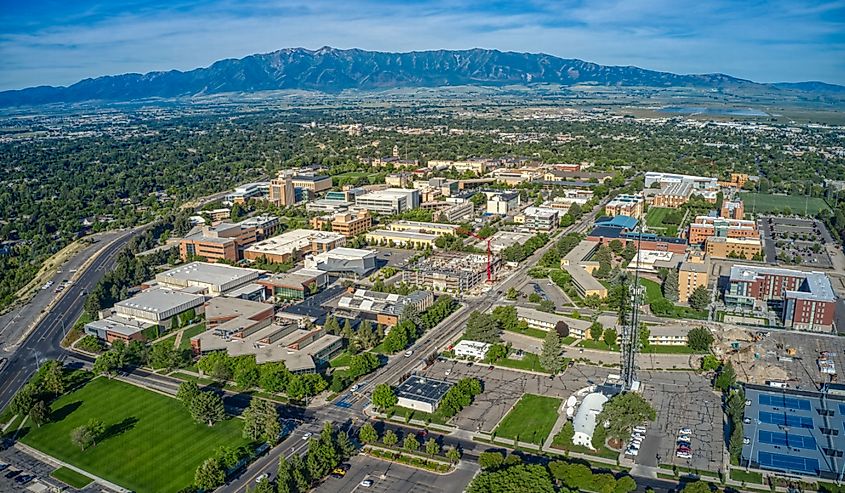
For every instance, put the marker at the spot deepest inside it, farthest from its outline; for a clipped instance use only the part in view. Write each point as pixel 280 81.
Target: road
pixel 43 342
pixel 399 365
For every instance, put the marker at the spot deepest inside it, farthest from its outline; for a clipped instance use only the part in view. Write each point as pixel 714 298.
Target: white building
pixel 698 182
pixel 585 419
pixel 538 219
pixel 215 279
pixel 502 203
pixel 471 349
pixel 389 201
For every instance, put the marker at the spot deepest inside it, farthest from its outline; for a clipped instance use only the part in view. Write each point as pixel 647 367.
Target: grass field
pixel 151 444
pixel 531 420
pixel 529 361
pixel 748 477
pixel 654 219
pixel 600 345
pixel 191 332
pixel 773 203
pixel 342 360
pixel 653 293
pixel 669 349
pixel 532 332
pixel 71 477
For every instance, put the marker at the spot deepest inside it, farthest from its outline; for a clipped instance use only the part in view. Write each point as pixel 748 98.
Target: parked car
pixel 685 431
pixel 367 483
pixel 3 466
pixel 307 435
pixel 24 478
pixel 746 440
pixel 12 473
pixel 408 353
pixel 262 477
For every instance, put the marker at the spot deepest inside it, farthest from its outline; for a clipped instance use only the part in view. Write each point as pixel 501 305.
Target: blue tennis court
pixel 781 419
pixel 788 462
pixel 787 440
pixel 784 401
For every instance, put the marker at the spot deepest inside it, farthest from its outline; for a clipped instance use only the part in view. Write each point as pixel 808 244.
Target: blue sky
pixel 60 42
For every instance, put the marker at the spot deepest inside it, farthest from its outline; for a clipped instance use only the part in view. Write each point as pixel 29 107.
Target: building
pixel 301 348
pixel 538 219
pixel 326 206
pixel 584 422
pixel 412 239
pixel 282 191
pixel 692 273
pixel 502 203
pixel 347 195
pixel 213 279
pixel 224 241
pixel 503 239
pixel 159 305
pixel 313 183
pixel 477 166
pixel 437 229
pixel 389 201
pixel 570 196
pixel 399 180
pixel 384 308
pixel 342 261
pixel 668 335
pixel 421 393
pixel 296 285
pixel 580 268
pixel 651 261
pixel 235 314
pixel 294 245
pixel 471 349
pixel 119 328
pixel 349 224
pixel 673 195
pixel 806 300
pixel 738 180
pixel 625 205
pixel 745 248
pixel 646 241
pixel 452 272
pixel 265 225
pixel 662 179
pixel 456 213
pixel 564 326
pixel 793 431
pixel 732 209
pixel 704 227
pixel 219 214
pixel 248 191
pixel 627 223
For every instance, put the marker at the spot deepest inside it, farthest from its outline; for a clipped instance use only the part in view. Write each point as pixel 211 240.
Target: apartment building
pixel 673 195
pixel 626 205
pixel 692 273
pixel 502 203
pixel 720 247
pixel 349 224
pixel 538 219
pixel 704 227
pixel 806 300
pixel 732 209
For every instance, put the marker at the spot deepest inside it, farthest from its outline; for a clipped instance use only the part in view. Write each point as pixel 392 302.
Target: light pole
pixel 35 355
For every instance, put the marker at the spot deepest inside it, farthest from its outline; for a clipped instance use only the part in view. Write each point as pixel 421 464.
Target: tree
pixel 187 391
pixel 710 362
pixel 482 327
pixel 699 298
pixel 274 376
pixel 332 326
pixel 596 331
pixel 368 434
pixel 284 479
pixel 699 339
pixel 697 487
pixel 107 364
pixel 263 486
pixel 517 478
pixel 411 444
pixel 496 352
pixel 23 401
pixel 86 435
pixel 625 484
pixel 453 454
pixel 39 413
pixel 344 445
pixel 166 356
pixel 616 246
pixel 644 334
pixel 550 357
pixel 547 306
pixel 261 421
pixel 726 377
pixel 390 439
pixel 52 377
pixel 432 447
pixel 609 336
pixel 384 397
pixel 512 293
pixel 366 335
pixel 670 285
pixel 623 412
pixel 209 475
pixel 506 317
pixel 490 460
pixel 207 407
pixel 299 473
pixel 534 298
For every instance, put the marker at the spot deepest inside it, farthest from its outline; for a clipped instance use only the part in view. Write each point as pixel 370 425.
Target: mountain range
pixel 333 70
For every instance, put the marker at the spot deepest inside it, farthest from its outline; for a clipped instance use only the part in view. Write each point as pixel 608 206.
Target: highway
pixel 43 342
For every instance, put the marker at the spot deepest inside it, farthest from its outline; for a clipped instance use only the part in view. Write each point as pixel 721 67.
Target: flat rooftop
pixel 120 325
pixel 160 300
pixel 423 389
pixel 345 253
pixel 294 240
pixel 404 235
pixel 816 284
pixel 207 273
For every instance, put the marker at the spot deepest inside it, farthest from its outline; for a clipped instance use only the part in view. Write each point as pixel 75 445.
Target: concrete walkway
pixel 57 463
pixel 561 421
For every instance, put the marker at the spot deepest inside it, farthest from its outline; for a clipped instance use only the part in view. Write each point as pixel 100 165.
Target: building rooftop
pixel 377 302
pixel 405 235
pixel 694 267
pixel 423 389
pixel 160 300
pixel 620 221
pixel 816 285
pixel 295 279
pixel 120 325
pixel 294 240
pixel 541 212
pixel 314 178
pixel 387 194
pixel 206 273
pixel 233 307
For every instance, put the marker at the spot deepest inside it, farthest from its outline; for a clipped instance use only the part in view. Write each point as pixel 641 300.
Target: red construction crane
pixel 489 252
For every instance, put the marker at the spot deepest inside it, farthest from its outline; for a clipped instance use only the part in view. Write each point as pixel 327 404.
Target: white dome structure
pixel 585 419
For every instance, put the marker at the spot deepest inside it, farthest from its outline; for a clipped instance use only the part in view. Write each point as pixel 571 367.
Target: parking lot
pixel 389 477
pixel 502 388
pixel 682 400
pixel 795 238
pixel 19 461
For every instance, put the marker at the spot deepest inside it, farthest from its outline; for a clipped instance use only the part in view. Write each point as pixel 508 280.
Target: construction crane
pixel 489 252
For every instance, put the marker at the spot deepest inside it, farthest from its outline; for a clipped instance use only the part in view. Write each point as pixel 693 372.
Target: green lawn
pixel 653 293
pixel 152 444
pixel 402 413
pixel 191 332
pixel 774 203
pixel 342 360
pixel 568 340
pixel 531 420
pixel 71 477
pixel 669 349
pixel 654 219
pixel 600 345
pixel 748 477
pixel 529 361
pixel 531 332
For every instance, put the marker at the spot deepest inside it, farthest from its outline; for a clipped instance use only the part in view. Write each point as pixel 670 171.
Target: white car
pixel 639 429
pixel 355 387
pixel 683 455
pixel 632 451
pixel 408 353
pixel 367 483
pixel 262 477
pixel 448 371
pixel 746 440
pixel 684 431
pixel 307 435
pixel 683 438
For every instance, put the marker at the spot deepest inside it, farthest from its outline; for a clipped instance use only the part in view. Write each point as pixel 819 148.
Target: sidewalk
pixel 57 463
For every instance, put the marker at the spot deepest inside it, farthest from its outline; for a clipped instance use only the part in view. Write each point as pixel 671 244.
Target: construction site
pixel 781 358
pixel 453 272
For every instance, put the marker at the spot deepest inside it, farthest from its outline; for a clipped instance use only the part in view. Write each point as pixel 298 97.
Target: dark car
pixel 12 473
pixel 3 466
pixel 24 478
